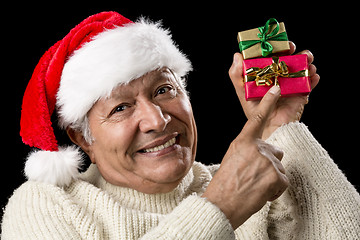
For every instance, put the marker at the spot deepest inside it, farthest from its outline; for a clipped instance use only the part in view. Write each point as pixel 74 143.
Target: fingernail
pixel 275 90
pixel 236 59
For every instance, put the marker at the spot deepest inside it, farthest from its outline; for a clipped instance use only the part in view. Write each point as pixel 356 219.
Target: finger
pixel 288 52
pixel 292 47
pixel 236 75
pixel 312 70
pixel 278 153
pixel 254 127
pixel 314 80
pixel 279 166
pixel 314 77
pixel 272 153
pixel 268 150
pixel 282 185
pixel 309 54
pixel 278 194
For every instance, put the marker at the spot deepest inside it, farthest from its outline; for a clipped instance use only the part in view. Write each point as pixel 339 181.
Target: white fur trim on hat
pixel 57 168
pixel 114 57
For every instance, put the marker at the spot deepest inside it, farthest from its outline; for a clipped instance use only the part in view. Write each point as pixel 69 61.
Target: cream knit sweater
pixel 319 204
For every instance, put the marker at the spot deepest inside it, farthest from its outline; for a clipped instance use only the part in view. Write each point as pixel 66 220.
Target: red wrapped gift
pixel 288 72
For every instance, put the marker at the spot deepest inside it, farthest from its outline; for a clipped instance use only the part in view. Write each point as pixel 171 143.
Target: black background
pixel 207 34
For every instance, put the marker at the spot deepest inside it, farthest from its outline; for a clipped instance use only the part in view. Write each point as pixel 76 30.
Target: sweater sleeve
pixel 319 203
pixel 194 218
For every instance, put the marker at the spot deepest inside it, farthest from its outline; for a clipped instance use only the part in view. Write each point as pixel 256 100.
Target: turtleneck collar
pixel 195 181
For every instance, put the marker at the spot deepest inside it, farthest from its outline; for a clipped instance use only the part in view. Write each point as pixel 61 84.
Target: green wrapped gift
pixel 263 41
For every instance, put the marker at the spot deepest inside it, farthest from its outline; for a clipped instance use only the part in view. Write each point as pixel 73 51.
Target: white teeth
pixel 161 147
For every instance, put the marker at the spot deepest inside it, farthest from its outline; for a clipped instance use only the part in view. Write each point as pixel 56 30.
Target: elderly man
pixel 119 92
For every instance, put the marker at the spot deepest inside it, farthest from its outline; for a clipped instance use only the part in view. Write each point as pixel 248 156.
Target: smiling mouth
pixel 167 144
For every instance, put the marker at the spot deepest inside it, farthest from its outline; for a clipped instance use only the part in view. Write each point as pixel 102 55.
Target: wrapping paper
pixel 290 86
pixel 263 41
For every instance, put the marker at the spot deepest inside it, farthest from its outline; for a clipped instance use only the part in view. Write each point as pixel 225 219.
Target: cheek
pixel 182 111
pixel 111 143
pixel 109 154
pixel 185 114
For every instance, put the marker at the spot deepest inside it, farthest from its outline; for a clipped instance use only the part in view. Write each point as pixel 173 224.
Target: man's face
pixel 144 134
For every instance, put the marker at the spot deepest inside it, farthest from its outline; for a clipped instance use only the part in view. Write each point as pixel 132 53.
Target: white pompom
pixel 57 168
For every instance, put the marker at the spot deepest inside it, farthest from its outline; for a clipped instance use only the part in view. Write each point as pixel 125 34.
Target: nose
pixel 152 118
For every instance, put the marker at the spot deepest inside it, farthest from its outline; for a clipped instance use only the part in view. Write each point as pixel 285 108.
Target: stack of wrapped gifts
pixel 263 68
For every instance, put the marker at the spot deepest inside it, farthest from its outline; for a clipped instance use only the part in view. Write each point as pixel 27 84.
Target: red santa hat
pixel 102 52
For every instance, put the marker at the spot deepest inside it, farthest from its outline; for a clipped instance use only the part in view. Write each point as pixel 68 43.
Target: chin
pixel 165 166
pixel 170 171
pixel 164 176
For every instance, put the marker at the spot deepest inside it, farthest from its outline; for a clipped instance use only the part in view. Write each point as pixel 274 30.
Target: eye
pixel 163 90
pixel 119 108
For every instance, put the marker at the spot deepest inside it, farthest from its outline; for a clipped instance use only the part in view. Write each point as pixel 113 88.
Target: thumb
pixel 236 75
pixel 256 123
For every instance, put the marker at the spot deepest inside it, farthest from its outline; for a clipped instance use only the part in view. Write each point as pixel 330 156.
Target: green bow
pixel 264 37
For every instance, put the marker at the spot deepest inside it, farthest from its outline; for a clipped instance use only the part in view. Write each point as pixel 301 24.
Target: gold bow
pixel 264 76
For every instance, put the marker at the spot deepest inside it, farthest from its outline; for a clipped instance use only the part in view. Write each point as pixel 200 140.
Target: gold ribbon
pixel 269 74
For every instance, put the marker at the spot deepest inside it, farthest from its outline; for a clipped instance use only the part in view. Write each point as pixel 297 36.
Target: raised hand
pixel 287 109
pixel 251 172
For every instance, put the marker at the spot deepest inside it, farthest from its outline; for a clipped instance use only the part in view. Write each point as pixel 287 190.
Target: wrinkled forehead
pixel 145 83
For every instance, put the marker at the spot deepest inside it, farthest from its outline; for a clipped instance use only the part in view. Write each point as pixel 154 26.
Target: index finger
pixel 256 123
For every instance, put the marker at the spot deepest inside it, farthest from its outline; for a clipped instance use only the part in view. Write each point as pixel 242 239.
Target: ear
pixel 78 138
